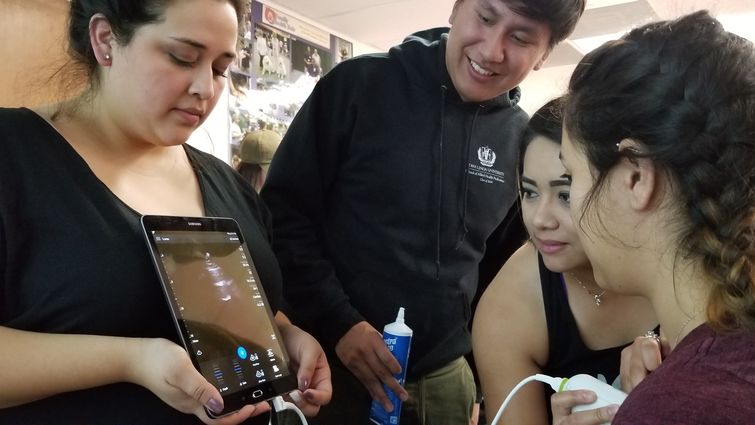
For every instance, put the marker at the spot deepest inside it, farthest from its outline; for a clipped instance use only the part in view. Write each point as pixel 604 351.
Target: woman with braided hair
pixel 660 149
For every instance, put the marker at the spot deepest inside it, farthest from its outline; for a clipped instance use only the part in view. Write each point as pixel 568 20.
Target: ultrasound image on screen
pixel 219 299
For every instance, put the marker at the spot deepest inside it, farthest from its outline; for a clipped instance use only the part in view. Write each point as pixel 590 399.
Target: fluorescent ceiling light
pixel 741 25
pixel 594 4
pixel 587 44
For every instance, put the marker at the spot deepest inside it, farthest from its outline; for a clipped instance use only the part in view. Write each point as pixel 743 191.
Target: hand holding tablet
pixel 219 307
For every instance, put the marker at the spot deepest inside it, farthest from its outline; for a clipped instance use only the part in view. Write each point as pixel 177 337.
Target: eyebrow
pixel 529 181
pixel 561 181
pixel 200 46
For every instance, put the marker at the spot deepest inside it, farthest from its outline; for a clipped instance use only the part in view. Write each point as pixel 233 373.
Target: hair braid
pixel 722 232
pixel 716 177
pixel 685 89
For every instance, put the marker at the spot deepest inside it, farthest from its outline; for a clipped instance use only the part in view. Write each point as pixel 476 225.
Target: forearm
pixel 528 406
pixel 300 195
pixel 38 365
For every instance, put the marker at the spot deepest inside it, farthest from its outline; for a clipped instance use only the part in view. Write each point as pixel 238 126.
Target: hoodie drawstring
pixel 439 192
pixel 465 172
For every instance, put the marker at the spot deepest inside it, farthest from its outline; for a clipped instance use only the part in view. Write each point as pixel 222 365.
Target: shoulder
pixel 514 117
pixel 512 299
pixel 358 81
pixel 14 118
pixel 20 131
pixel 363 65
pixel 719 353
pixel 6 113
pixel 515 290
pixel 685 389
pixel 520 274
pixel 364 72
pixel 519 116
pixel 229 185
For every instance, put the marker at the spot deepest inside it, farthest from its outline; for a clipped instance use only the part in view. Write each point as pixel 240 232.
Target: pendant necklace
pixel 595 296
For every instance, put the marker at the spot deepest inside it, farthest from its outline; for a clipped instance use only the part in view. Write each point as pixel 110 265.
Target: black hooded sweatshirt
pixel 383 193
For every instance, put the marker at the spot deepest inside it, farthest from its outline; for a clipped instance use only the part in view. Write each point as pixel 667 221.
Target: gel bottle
pixel 398 338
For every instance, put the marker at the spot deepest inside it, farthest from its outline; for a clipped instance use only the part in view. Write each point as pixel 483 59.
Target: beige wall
pixel 32 48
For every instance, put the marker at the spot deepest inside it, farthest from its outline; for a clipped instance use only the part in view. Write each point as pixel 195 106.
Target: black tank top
pixel 567 353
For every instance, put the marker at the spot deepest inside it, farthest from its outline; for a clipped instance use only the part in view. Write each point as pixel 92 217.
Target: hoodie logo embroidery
pixel 486 156
pixel 485 171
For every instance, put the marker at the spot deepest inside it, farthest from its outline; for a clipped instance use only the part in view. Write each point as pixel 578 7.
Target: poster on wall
pixel 280 60
pixel 343 49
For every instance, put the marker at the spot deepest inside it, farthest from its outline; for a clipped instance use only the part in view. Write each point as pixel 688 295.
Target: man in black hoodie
pixel 385 190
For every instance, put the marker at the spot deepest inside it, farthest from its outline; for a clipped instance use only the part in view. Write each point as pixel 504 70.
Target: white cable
pixel 554 383
pixel 280 405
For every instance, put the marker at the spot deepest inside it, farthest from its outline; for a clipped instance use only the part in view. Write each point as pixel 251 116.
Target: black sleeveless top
pixel 567 353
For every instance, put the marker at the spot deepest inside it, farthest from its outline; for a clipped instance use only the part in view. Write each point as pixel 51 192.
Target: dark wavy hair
pixel 124 16
pixel 684 90
pixel 547 122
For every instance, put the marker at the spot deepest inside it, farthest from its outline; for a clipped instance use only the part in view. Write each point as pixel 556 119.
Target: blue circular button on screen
pixel 241 351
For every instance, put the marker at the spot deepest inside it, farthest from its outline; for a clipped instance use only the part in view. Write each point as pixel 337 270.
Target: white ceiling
pixel 383 23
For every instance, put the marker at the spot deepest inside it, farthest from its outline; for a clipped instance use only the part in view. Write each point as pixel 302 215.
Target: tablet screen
pixel 220 306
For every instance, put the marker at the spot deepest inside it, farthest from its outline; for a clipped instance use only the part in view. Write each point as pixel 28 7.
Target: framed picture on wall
pixel 343 50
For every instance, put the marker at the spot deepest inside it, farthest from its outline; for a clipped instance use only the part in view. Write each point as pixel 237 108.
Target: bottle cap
pixel 400 315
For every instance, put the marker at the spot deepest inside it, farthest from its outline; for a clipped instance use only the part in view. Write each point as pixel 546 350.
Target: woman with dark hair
pixel 660 148
pixel 543 312
pixel 86 332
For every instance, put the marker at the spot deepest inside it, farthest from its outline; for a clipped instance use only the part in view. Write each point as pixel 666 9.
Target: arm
pixel 296 192
pixel 79 362
pixel 501 244
pixel 30 372
pixel 510 340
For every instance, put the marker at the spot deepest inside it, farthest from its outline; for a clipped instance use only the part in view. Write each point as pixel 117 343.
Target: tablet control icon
pixel 241 352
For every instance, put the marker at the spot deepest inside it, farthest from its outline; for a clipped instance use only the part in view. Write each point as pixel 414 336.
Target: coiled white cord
pixel 554 383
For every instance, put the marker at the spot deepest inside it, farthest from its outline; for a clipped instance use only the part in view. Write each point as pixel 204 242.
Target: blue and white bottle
pixel 398 338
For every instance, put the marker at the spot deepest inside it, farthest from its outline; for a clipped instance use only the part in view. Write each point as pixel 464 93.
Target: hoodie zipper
pixel 439 192
pixel 465 172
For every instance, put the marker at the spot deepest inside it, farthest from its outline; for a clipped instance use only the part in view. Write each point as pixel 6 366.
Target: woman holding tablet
pixel 86 333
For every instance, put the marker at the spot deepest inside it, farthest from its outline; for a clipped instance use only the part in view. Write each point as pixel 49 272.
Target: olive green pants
pixel 443 397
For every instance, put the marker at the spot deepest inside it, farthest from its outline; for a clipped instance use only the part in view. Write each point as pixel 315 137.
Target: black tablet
pixel 219 307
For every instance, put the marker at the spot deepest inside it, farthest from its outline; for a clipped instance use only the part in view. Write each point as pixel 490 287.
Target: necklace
pixel 684 325
pixel 595 296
